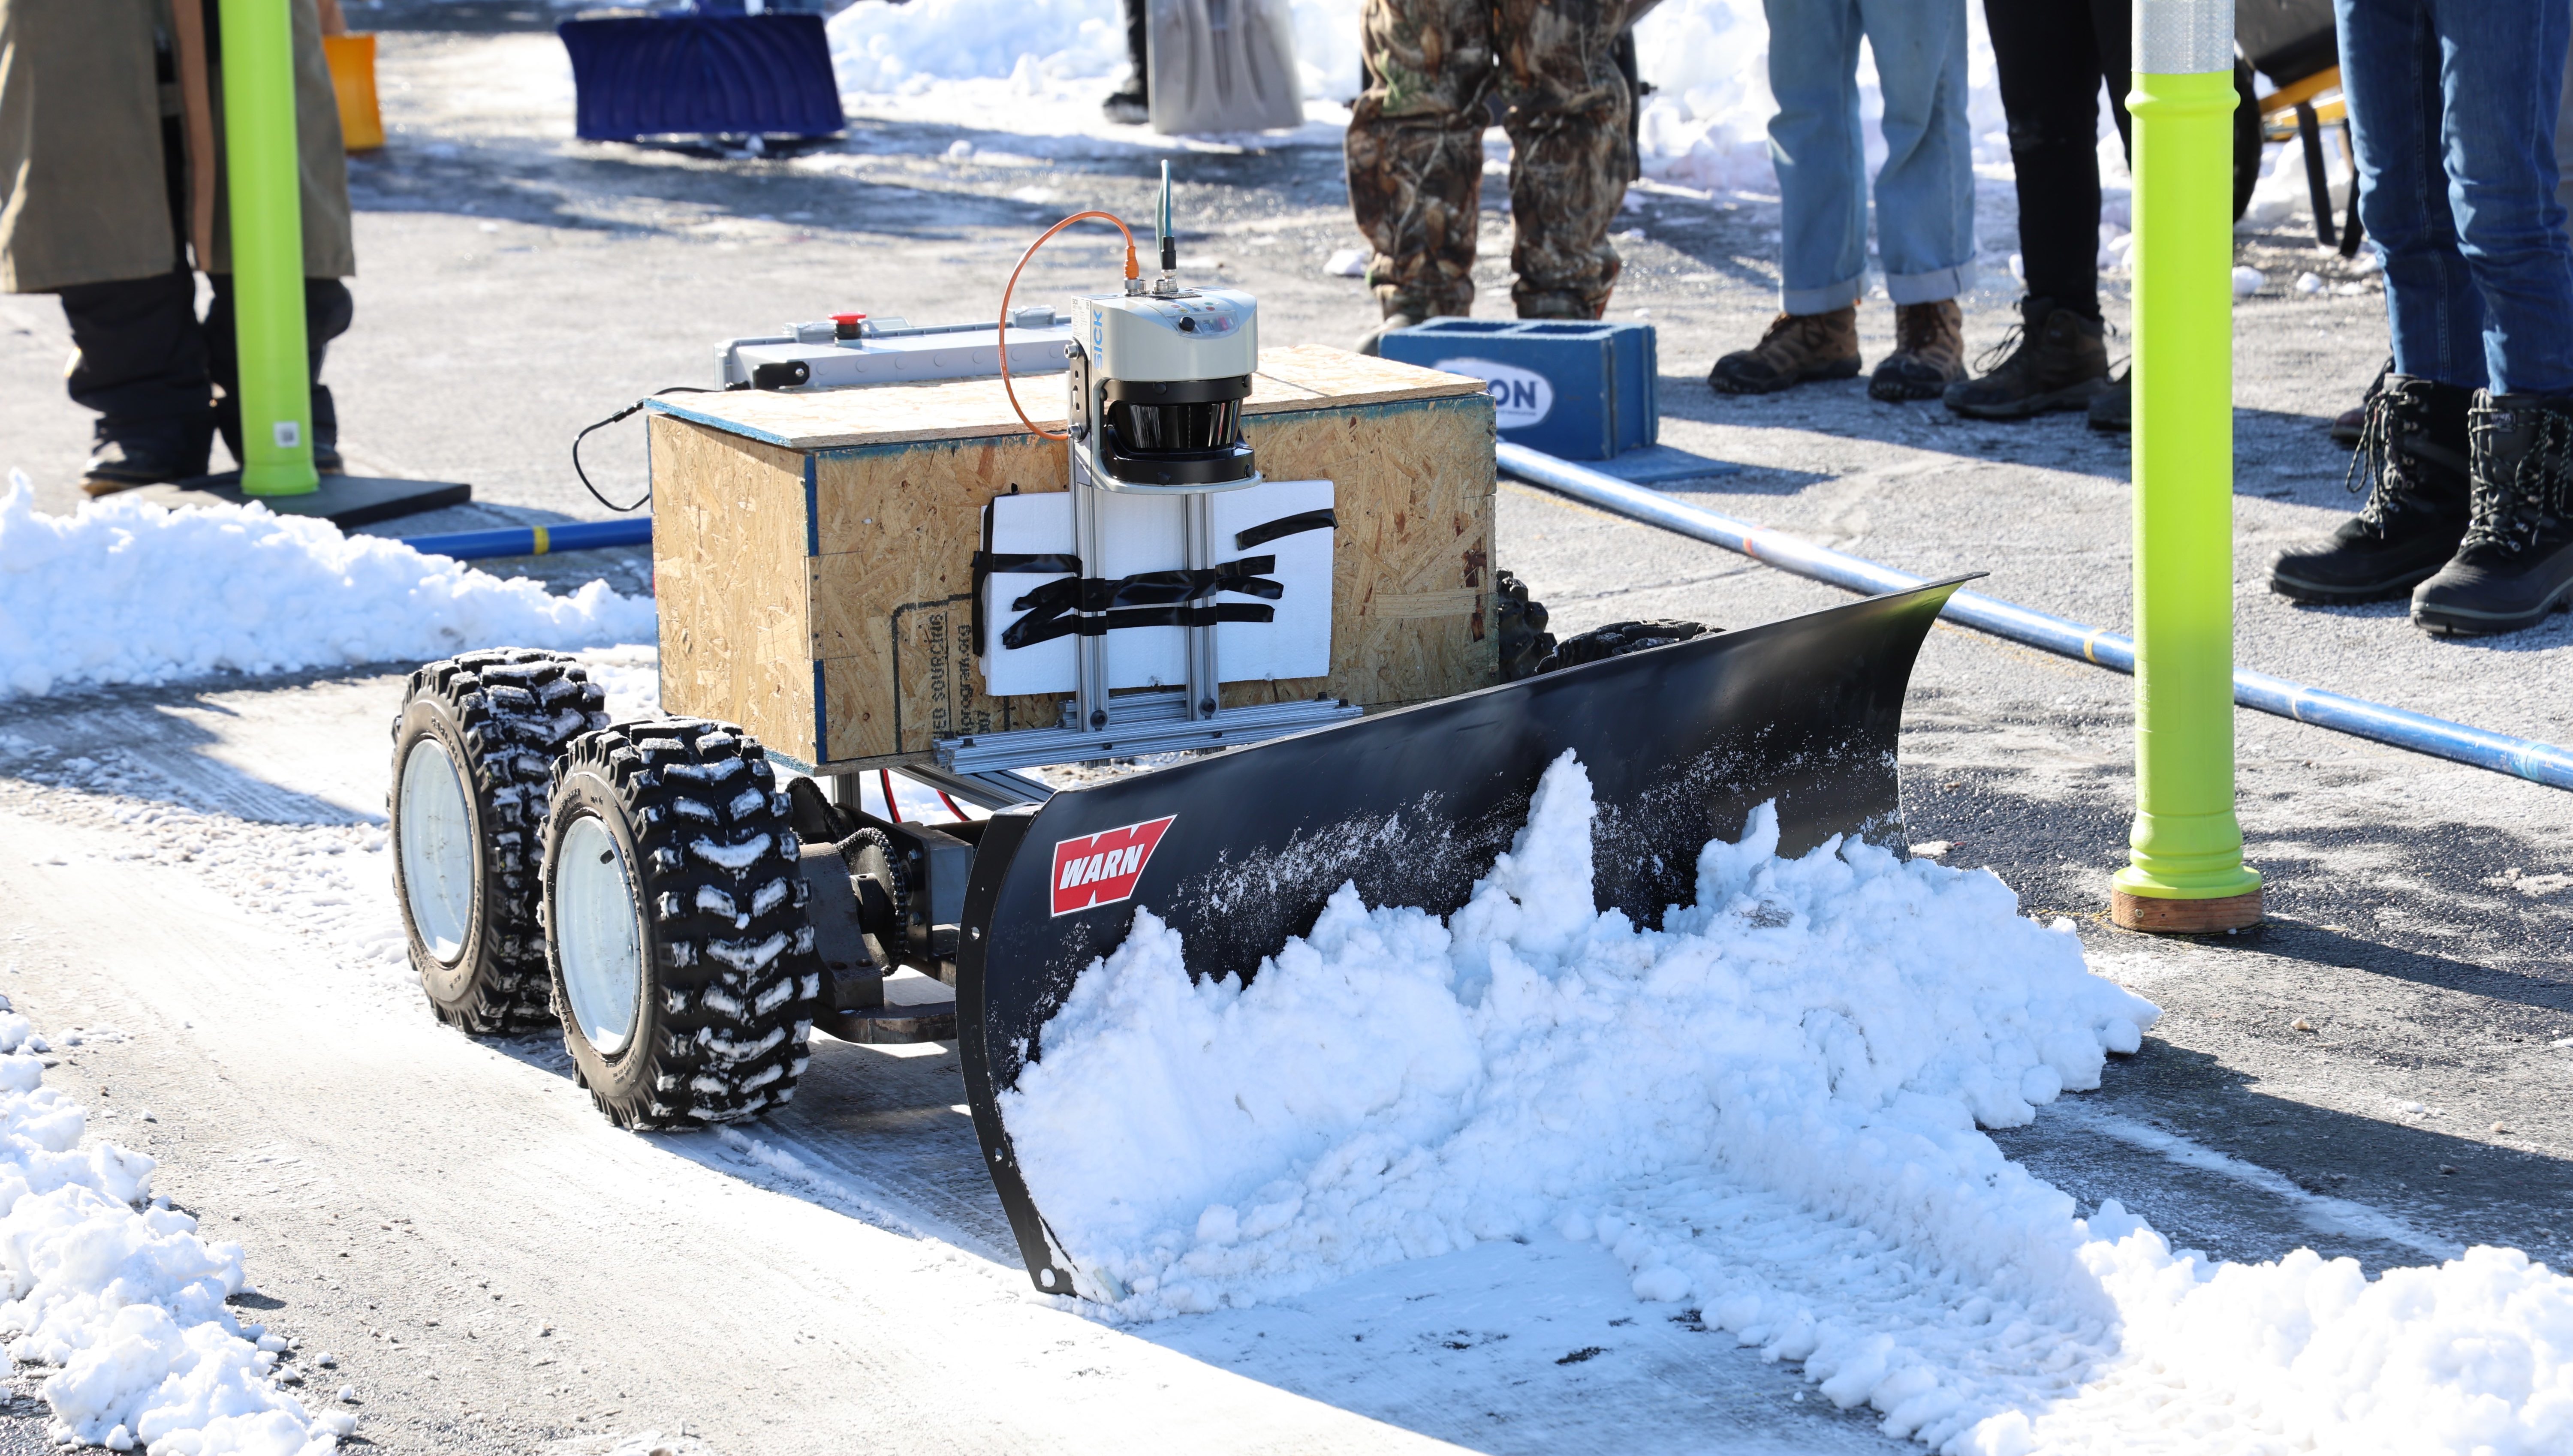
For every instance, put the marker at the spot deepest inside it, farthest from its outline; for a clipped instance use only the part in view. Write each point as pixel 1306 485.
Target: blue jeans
pixel 1925 195
pixel 2453 105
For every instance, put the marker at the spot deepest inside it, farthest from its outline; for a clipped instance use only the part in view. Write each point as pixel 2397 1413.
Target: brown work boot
pixel 1929 353
pixel 1797 347
pixel 2057 360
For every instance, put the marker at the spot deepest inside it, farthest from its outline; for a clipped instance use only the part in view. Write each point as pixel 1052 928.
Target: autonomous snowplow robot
pixel 1203 568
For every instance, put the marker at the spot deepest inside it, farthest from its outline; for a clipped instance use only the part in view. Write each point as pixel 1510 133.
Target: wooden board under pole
pixel 812 551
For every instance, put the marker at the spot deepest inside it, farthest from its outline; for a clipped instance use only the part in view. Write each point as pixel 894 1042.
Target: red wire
pixel 1132 269
pixel 893 811
pixel 951 806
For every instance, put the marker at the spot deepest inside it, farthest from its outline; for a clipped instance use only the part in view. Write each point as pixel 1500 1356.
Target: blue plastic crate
pixel 1575 389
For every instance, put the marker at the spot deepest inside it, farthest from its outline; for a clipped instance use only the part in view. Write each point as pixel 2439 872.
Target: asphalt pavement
pixel 516 286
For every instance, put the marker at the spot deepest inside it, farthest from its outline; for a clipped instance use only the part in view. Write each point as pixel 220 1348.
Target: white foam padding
pixel 1145 533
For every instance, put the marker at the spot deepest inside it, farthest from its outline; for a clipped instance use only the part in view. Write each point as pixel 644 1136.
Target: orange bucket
pixel 352 77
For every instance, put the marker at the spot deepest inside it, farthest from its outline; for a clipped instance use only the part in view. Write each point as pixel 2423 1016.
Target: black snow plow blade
pixel 1239 851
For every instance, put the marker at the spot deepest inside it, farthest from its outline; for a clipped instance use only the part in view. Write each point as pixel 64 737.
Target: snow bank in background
pixel 129 592
pixel 116 1288
pixel 881 47
pixel 1707 123
pixel 1767 1110
pixel 906 48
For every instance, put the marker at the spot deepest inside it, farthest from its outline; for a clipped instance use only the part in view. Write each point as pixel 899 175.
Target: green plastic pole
pixel 2184 855
pixel 263 172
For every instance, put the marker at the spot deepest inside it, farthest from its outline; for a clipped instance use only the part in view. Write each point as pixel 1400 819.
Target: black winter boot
pixel 2515 564
pixel 2412 458
pixel 2055 360
pixel 150 450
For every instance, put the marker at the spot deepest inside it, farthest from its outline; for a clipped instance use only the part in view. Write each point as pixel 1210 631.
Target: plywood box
pixel 812 551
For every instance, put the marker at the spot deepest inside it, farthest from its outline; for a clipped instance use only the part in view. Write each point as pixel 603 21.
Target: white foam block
pixel 1145 533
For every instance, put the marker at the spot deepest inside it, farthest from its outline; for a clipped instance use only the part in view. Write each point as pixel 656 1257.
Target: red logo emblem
pixel 1102 869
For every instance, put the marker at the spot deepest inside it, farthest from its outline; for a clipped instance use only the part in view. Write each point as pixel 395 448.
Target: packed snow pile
pixel 131 592
pixel 907 48
pixel 117 1290
pixel 1767 1110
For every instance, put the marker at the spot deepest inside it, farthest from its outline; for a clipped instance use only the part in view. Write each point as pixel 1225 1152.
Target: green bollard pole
pixel 262 174
pixel 2185 869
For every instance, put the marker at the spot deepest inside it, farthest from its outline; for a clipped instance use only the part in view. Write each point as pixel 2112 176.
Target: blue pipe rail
pixel 2502 753
pixel 579 535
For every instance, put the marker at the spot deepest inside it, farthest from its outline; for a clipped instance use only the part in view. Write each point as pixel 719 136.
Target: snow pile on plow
pixel 1766 1110
pixel 131 592
pixel 116 1289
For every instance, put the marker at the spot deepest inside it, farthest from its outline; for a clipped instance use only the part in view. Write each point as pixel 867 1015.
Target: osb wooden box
pixel 813 552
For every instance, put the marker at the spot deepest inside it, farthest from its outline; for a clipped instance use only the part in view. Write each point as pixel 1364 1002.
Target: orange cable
pixel 1132 269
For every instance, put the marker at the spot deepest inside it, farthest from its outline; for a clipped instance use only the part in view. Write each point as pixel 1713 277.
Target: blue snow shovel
pixel 710 70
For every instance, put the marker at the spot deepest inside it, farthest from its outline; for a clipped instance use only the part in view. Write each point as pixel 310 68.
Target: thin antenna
pixel 1161 227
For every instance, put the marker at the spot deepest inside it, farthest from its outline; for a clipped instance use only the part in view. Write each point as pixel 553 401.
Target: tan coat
pixel 83 192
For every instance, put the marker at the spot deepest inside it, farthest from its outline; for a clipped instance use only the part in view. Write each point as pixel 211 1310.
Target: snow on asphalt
pixel 1767 1112
pixel 127 591
pixel 113 1291
pixel 332 881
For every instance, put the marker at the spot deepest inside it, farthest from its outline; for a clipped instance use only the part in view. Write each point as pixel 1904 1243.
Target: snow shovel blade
pixel 1222 66
pixel 1239 851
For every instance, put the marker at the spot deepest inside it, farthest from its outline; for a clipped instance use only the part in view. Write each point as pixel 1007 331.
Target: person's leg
pixel 2048 57
pixel 1415 152
pixel 1569 157
pixel 2564 140
pixel 327 312
pixel 2501 79
pixel 2389 71
pixel 1925 193
pixel 141 363
pixel 1814 141
pixel 1822 202
pixel 2110 24
pixel 2412 453
pixel 2048 64
pixel 1131 103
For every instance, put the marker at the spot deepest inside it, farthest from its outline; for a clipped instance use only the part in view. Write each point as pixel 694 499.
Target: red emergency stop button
pixel 846 326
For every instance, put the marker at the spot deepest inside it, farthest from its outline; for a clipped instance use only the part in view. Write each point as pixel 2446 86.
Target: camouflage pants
pixel 1415 148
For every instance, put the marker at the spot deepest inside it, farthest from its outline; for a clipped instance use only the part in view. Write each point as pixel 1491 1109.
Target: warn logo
pixel 1102 869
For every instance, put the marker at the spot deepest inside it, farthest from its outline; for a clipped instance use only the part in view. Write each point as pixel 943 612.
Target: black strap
pixel 1029 631
pixel 1091 595
pixel 1286 525
pixel 990 563
pixel 1154 588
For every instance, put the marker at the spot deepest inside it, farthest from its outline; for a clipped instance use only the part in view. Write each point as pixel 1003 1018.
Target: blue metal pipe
pixel 2525 758
pixel 579 535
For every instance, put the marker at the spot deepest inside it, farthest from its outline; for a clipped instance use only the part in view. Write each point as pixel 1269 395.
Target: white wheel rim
pixel 595 935
pixel 436 834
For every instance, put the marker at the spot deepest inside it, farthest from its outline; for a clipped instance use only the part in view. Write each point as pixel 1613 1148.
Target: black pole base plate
pixel 343 500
